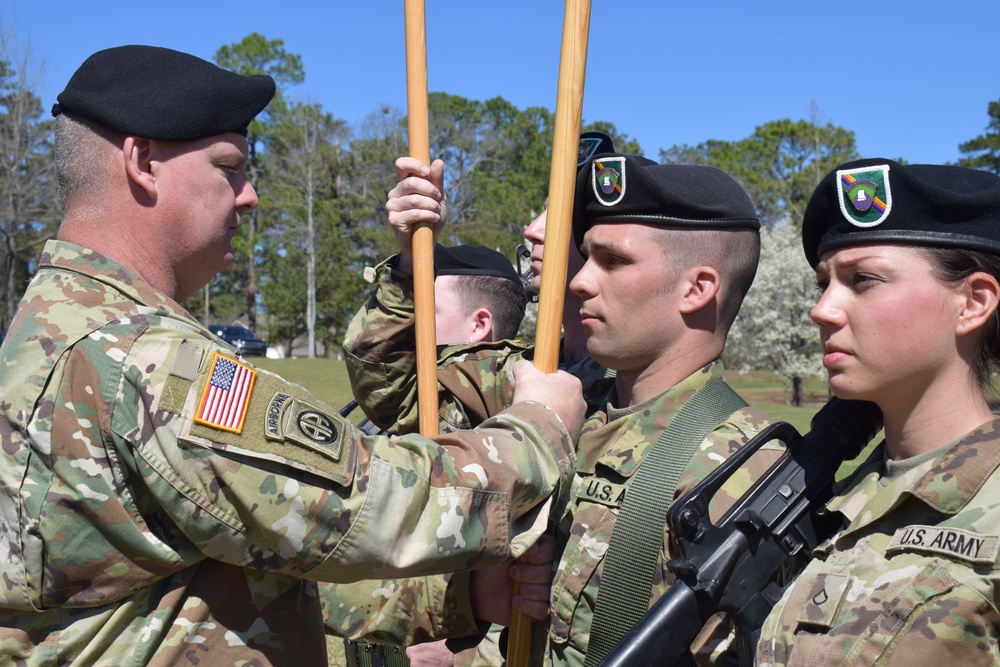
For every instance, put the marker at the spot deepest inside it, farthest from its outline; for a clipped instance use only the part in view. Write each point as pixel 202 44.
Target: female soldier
pixel 907 259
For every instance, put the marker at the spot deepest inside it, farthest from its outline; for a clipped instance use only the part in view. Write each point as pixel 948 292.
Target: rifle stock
pixel 742 564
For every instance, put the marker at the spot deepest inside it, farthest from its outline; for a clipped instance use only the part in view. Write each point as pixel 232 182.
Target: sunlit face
pixel 887 324
pixel 627 288
pixel 534 233
pixel 451 324
pixel 203 189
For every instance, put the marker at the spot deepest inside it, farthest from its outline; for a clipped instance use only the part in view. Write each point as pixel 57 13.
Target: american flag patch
pixel 227 395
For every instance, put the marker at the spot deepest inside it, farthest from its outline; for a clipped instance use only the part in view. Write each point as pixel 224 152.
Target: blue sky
pixel 911 78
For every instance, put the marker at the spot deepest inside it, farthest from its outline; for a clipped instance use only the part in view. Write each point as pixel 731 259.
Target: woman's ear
pixel 137 153
pixel 981 294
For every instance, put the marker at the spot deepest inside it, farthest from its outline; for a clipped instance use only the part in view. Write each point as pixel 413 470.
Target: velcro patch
pixel 187 363
pixel 954 542
pixel 285 426
pixel 824 598
pixel 226 395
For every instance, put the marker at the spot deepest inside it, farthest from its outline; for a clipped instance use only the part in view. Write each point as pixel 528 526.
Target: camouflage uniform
pixel 610 451
pixel 914 579
pixel 133 534
pixel 475 382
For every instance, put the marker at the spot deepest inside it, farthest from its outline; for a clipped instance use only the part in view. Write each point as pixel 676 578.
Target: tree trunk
pixel 310 265
pixel 251 273
pixel 797 392
pixel 10 289
pixel 251 268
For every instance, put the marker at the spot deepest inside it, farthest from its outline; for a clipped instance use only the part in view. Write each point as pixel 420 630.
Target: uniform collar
pixel 620 441
pixel 103 269
pixel 962 470
pixel 946 486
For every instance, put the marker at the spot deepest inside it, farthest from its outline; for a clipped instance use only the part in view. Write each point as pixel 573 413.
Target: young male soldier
pixel 479 297
pixel 474 381
pixel 670 253
pixel 380 356
pixel 163 502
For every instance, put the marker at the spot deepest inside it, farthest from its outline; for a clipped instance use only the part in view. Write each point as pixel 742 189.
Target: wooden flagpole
pixel 423 238
pixel 558 232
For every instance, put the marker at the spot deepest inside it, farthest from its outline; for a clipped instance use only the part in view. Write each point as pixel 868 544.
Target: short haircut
pixel 734 253
pixel 504 298
pixel 83 152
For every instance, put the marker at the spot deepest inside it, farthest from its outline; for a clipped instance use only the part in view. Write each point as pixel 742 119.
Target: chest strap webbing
pixel 629 565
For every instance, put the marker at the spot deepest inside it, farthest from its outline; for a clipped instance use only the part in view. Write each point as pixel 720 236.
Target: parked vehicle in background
pixel 244 340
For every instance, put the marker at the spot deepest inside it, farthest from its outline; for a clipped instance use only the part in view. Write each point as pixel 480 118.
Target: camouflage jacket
pixel 610 451
pixel 163 502
pixel 475 382
pixel 914 579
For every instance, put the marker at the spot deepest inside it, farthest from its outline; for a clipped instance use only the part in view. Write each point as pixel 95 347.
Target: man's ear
pixel 137 153
pixel 700 285
pixel 980 295
pixel 482 326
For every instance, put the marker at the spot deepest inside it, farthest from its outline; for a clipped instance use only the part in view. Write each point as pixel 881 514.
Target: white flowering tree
pixel 773 331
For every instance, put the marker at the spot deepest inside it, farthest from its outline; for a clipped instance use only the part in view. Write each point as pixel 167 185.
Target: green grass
pixel 327 380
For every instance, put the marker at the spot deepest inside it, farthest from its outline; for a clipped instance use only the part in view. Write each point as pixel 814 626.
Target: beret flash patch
pixel 588 146
pixel 608 179
pixel 865 197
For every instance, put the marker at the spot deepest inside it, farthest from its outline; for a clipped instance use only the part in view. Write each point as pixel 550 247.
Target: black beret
pixel 157 93
pixel 473 260
pixel 591 144
pixel 631 188
pixel 880 201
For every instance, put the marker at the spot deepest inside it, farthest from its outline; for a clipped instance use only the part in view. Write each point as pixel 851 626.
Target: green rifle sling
pixel 627 579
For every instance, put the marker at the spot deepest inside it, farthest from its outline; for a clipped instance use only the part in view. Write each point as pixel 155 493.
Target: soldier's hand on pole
pixel 560 391
pixel 417 198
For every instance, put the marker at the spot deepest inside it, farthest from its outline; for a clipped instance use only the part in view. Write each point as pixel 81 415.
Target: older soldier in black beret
pixel 163 501
pixel 907 260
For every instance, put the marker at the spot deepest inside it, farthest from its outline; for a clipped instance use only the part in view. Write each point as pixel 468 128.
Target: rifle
pixel 742 564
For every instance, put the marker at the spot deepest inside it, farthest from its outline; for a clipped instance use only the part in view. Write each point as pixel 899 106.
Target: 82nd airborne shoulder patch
pixel 865 198
pixel 608 180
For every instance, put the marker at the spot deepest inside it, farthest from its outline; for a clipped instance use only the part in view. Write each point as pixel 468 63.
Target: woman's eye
pixel 860 278
pixel 821 285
